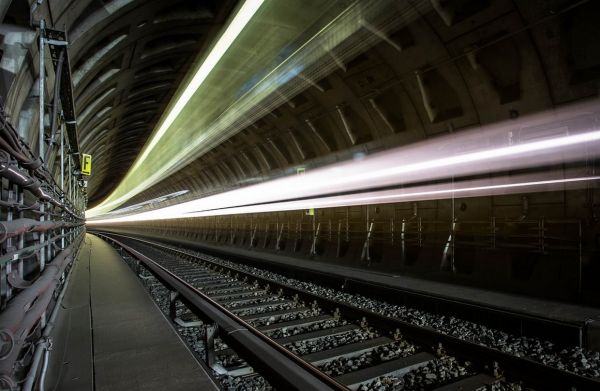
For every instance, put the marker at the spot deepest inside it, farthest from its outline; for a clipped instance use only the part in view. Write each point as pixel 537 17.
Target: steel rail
pixel 279 366
pixel 532 372
pixel 513 321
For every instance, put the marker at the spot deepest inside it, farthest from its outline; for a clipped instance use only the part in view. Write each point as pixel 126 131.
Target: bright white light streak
pixel 558 137
pixel 440 192
pixel 478 157
pixel 395 168
pixel 475 188
pixel 243 16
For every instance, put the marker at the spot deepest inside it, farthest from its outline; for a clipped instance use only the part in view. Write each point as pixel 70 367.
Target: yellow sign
pixel 86 164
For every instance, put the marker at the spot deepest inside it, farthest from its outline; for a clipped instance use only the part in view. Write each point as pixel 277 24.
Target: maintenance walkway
pixel 110 335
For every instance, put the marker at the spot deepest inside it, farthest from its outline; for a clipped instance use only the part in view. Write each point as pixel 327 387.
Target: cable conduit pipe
pixel 33 185
pixel 41 345
pixel 9 229
pixel 12 144
pixel 22 313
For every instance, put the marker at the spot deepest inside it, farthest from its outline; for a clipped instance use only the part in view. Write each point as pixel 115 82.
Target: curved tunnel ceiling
pixel 436 67
pixel 447 66
pixel 128 58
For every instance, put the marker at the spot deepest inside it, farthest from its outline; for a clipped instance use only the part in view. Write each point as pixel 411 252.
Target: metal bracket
pixel 366 252
pixel 211 333
pixel 56 42
pixel 184 324
pixel 313 247
pixel 403 242
pixel 252 236
pixel 447 262
pixel 278 244
pixel 173 296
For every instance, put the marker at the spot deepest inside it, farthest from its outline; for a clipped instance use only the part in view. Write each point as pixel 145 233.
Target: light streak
pixel 476 188
pixel 488 151
pixel 233 30
pixel 216 111
pixel 153 201
pixel 241 19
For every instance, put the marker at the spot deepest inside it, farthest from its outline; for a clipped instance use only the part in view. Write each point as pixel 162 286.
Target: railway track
pixel 358 348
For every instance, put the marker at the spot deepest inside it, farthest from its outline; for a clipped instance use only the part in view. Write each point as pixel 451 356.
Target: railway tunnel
pixel 299 195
